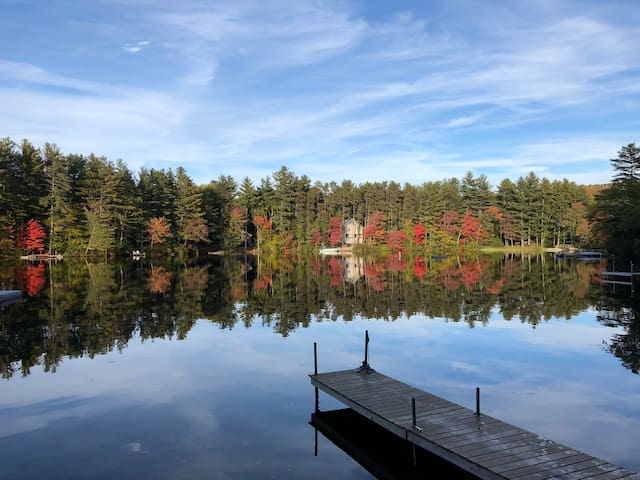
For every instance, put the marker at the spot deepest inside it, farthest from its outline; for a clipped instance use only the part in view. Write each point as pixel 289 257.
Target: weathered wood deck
pixel 481 445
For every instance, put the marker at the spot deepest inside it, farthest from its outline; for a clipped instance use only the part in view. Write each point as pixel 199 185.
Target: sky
pixel 361 90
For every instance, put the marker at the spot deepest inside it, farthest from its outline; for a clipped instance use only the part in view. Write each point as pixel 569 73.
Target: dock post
pixel 366 348
pixel 477 413
pixel 315 371
pixel 365 368
pixel 315 448
pixel 415 425
pixel 315 358
pixel 413 412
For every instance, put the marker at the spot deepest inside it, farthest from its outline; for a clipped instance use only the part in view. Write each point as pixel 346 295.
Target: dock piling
pixel 477 412
pixel 413 411
pixel 416 427
pixel 315 358
pixel 315 369
pixel 365 367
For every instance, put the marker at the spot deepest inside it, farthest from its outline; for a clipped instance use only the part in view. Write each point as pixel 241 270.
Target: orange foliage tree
pixel 159 280
pixel 159 229
pixel 374 229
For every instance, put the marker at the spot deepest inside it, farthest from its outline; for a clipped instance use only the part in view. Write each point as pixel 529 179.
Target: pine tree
pixel 57 201
pixel 188 202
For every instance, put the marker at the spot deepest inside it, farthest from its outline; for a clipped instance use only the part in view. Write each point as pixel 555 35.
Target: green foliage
pixel 91 205
pixel 617 209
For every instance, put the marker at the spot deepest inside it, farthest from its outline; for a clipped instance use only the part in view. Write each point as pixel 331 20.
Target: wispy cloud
pixel 136 47
pixel 326 87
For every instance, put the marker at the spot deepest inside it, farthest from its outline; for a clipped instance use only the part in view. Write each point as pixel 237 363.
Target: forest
pixel 88 205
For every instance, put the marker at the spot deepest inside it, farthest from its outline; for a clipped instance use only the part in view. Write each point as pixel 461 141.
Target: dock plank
pixel 482 445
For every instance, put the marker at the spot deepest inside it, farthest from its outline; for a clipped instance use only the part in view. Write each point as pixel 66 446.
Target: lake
pixel 148 370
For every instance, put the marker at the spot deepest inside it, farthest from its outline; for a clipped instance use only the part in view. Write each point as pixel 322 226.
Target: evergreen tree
pixel 618 207
pixel 57 201
pixel 188 202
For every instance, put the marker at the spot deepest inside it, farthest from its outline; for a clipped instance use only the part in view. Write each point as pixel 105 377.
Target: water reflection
pixel 380 452
pixel 85 309
pixel 619 310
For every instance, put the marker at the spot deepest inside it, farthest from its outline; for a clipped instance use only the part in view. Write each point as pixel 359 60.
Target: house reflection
pixel 353 268
pixel 381 453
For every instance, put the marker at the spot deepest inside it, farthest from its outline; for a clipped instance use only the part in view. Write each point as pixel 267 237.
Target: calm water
pixel 200 371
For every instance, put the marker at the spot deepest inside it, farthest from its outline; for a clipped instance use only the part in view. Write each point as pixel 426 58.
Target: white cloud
pixel 247 86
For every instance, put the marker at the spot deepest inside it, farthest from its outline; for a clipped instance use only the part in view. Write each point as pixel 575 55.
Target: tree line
pixel 90 205
pixel 90 309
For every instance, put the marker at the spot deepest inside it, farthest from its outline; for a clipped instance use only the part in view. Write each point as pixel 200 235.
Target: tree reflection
pixel 90 309
pixel 620 310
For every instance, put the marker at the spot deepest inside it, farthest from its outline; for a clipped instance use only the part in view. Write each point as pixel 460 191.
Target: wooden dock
pixel 479 444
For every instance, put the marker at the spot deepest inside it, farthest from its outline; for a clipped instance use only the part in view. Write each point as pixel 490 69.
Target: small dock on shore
pixel 619 278
pixel 8 297
pixel 480 444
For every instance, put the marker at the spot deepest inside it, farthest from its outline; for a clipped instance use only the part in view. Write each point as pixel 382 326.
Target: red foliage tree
pixel 470 228
pixel 262 222
pixel 419 234
pixel 316 237
pixel 395 263
pixel 374 229
pixel 335 231
pixel 336 271
pixel 31 278
pixel 31 237
pixel 375 275
pixel 419 267
pixel 470 275
pixel 396 240
pixel 494 212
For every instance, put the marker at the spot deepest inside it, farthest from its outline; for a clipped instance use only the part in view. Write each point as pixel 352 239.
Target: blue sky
pixel 364 90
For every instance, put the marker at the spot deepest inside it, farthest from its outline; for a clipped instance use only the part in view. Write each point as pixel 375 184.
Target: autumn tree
pixel 419 233
pixel 316 237
pixel 396 240
pixel 195 230
pixel 264 228
pixel 335 231
pixel 470 227
pixel 159 230
pixel 31 237
pixel 375 227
